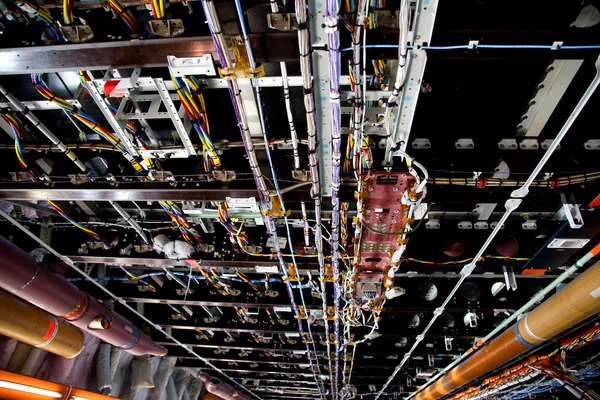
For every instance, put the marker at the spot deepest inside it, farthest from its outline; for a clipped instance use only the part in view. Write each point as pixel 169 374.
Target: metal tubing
pixel 38 124
pixel 70 263
pixel 36 283
pixel 34 326
pixel 130 220
pixel 572 305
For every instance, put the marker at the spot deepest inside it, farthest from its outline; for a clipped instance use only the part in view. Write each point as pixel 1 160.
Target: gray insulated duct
pixel 36 283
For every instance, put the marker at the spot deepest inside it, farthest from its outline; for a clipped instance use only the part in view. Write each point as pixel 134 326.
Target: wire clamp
pixel 473 44
pixel 330 314
pixel 292 274
pixel 301 313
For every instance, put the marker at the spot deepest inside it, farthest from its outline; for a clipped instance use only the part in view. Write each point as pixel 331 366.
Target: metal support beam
pixel 150 193
pixel 558 77
pixel 117 126
pixel 171 109
pixel 320 69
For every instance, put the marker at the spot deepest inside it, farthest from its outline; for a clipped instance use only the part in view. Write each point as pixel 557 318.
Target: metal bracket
pixel 546 144
pixel 529 144
pixel 529 225
pixel 242 68
pixel 167 27
pixel 508 144
pixel 432 224
pixel 330 314
pixel 421 143
pixel 203 65
pixel 386 18
pixel 292 274
pixel 224 176
pixel 78 179
pixel 465 225
pixel 592 144
pixel 448 343
pixel 510 278
pixel 573 215
pixel 300 175
pixel 285 22
pixel 464 144
pixel 163 176
pixel 301 313
pixel 277 208
pixel 481 225
pixel 328 274
pixel 77 33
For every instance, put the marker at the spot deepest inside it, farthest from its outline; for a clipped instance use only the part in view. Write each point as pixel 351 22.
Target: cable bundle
pixel 131 127
pixel 137 278
pixel 14 125
pixel 258 337
pixel 78 225
pixel 190 94
pixel 178 311
pixel 236 236
pixel 186 230
pixel 68 12
pixel 158 8
pixel 125 14
pixel 242 314
pixel 201 335
pixel 222 287
pixel 88 121
pixel 43 16
pixel 344 223
pixel 377 78
pixel 244 278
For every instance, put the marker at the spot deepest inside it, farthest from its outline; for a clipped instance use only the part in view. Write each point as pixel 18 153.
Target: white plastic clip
pixel 473 44
pixel 557 45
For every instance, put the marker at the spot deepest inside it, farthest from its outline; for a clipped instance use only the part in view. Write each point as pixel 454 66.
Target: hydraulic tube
pixel 223 390
pixel 579 300
pixel 36 283
pixel 28 324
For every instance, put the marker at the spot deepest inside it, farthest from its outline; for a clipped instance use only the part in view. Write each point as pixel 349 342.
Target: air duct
pixel 28 324
pixel 576 302
pixel 221 389
pixel 36 283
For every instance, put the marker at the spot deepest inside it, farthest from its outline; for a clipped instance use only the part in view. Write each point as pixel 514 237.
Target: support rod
pixel 38 124
pixel 130 220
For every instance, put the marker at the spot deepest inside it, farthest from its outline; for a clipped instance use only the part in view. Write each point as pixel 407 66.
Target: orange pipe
pixel 28 324
pixel 579 300
pixel 64 392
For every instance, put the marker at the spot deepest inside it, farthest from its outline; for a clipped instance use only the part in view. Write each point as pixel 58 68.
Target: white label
pixel 272 269
pixel 299 351
pixel 596 293
pixel 292 334
pixel 282 309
